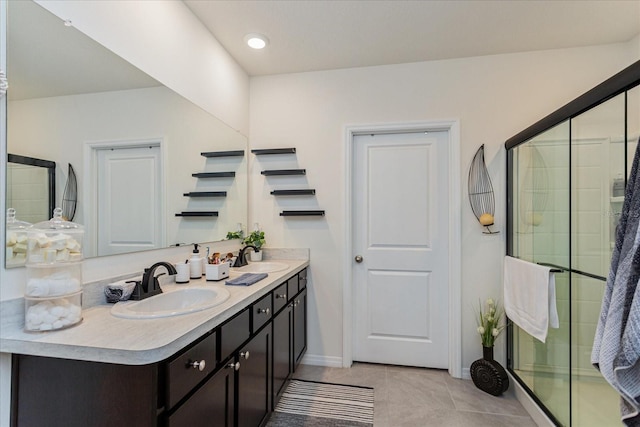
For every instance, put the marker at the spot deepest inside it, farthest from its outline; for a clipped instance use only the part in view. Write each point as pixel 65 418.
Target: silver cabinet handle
pixel 244 355
pixel 198 365
pixel 234 366
pixel 283 296
pixel 265 311
pixel 358 258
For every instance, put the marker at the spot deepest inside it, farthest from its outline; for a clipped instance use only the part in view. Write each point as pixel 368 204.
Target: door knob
pixel 358 258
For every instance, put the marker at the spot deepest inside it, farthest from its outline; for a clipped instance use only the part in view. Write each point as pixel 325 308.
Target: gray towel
pixel 616 346
pixel 247 279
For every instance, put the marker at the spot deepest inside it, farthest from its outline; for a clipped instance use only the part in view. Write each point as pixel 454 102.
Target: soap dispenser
pixel 196 263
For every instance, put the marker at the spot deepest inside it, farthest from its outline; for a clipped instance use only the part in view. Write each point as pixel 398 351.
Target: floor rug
pixel 311 404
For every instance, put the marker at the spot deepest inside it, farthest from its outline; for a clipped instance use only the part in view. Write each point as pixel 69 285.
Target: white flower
pixel 490 319
pixel 490 302
pixel 495 332
pixel 492 310
pixel 480 330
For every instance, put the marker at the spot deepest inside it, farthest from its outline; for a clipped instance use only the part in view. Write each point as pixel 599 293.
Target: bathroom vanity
pixel 228 369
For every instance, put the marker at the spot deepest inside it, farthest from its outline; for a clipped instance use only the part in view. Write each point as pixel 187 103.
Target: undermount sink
pixel 262 267
pixel 175 303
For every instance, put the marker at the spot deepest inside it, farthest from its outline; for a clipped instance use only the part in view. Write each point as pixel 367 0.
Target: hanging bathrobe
pixel 616 347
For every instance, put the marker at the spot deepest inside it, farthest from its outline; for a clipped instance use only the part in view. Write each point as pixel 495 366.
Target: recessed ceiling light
pixel 256 41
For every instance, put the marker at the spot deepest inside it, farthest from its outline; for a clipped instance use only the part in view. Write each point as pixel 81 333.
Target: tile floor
pixel 416 397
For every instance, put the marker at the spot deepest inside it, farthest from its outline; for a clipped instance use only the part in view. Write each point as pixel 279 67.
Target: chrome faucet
pixel 149 286
pixel 242 256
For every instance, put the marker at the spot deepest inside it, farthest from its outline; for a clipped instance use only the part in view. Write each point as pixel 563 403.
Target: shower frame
pixel 619 83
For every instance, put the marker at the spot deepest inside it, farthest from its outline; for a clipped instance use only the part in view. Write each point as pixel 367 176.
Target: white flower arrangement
pixel 490 323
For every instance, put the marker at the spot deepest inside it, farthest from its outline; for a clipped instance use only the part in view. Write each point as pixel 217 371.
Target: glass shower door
pixel 540 224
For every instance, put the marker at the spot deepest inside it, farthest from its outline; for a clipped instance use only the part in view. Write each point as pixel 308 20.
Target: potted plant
pixel 238 234
pixel 255 238
pixel 234 235
pixel 487 374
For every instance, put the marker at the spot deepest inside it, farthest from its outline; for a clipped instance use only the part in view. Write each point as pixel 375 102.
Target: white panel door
pixel 129 200
pixel 400 226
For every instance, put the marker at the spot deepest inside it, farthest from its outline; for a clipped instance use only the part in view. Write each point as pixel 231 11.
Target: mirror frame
pixel 51 173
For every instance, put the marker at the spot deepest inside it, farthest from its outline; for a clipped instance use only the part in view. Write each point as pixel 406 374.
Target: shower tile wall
pixel 27 192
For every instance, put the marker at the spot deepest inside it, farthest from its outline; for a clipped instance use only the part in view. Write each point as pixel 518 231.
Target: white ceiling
pixel 307 35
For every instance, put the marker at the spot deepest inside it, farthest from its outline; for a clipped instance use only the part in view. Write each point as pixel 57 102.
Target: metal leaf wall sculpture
pixel 481 196
pixel 70 196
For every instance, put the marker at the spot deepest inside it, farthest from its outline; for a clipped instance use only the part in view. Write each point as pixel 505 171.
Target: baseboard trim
pixel 529 405
pixel 317 360
pixel 466 373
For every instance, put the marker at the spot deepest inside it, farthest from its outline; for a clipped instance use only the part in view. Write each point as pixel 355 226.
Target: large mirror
pixel 133 144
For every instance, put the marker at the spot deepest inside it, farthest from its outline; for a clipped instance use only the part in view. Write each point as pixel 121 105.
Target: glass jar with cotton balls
pixel 53 292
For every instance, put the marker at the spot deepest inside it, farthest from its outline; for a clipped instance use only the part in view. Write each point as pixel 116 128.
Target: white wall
pixel 494 97
pixel 165 40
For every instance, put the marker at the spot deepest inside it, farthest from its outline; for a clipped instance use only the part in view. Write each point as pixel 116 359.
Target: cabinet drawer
pixel 302 280
pixel 234 333
pixel 181 374
pixel 280 297
pixel 211 405
pixel 262 312
pixel 292 287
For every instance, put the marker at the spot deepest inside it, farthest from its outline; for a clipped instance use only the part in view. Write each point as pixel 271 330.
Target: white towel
pixel 530 297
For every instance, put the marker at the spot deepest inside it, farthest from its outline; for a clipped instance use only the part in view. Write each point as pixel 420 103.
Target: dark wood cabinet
pixel 189 368
pixel 254 380
pixel 282 351
pixel 68 393
pixel 231 376
pixel 213 404
pixel 299 327
pixel 289 336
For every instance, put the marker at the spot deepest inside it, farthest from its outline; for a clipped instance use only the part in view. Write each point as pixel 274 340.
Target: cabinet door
pixel 282 351
pixel 254 384
pixel 211 405
pixel 299 326
pixel 71 393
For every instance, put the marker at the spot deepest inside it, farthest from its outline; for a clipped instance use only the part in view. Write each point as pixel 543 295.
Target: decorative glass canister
pixel 16 241
pixel 53 293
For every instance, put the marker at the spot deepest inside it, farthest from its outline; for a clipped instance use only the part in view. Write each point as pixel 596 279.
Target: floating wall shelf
pixel 214 175
pixel 234 153
pixel 259 152
pixel 206 194
pixel 302 213
pixel 309 192
pixel 194 214
pixel 284 172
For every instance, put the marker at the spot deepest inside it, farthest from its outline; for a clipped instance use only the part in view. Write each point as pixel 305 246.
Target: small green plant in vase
pixel 238 234
pixel 487 374
pixel 234 235
pixel 490 322
pixel 255 238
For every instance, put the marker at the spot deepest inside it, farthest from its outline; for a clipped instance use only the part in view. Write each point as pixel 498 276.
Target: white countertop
pixel 101 337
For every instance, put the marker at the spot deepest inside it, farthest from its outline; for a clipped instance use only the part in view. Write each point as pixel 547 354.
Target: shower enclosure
pixel 566 176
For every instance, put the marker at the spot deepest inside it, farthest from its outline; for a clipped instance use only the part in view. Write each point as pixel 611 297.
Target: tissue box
pixel 215 272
